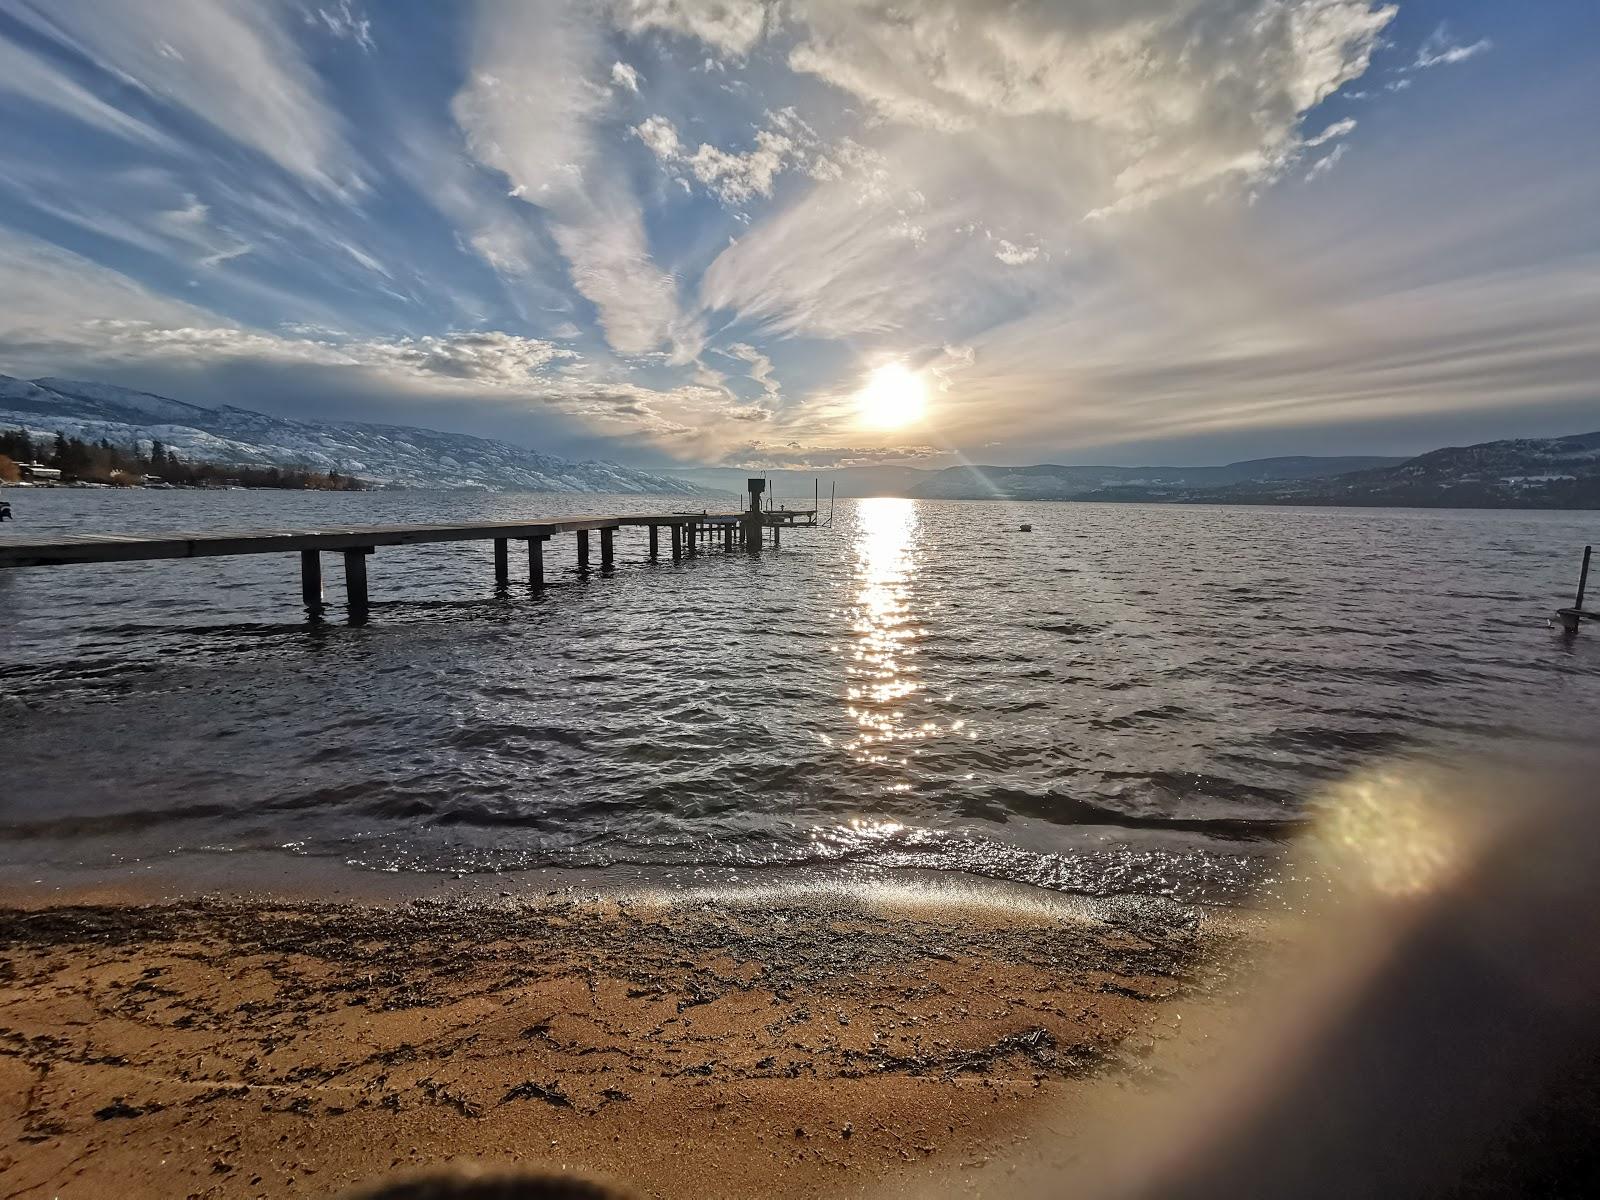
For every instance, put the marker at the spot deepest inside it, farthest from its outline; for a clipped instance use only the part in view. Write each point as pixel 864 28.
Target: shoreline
pixel 785 1039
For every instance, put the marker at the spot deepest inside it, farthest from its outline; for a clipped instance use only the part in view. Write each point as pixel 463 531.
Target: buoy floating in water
pixel 1027 529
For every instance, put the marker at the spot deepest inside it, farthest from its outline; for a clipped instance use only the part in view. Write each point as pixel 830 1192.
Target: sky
pixel 818 232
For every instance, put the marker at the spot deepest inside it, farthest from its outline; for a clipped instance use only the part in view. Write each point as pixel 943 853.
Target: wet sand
pixel 783 1043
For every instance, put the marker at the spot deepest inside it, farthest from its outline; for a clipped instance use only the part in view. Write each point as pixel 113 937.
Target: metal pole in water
pixel 1583 577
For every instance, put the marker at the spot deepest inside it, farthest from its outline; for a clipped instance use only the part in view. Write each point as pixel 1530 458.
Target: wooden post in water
pixel 536 561
pixel 355 583
pixel 607 548
pixel 776 530
pixel 583 549
pixel 502 565
pixel 1583 577
pixel 677 542
pixel 693 538
pixel 311 583
pixel 655 542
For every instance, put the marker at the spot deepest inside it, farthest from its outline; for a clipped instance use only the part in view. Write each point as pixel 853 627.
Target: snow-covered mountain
pixel 393 454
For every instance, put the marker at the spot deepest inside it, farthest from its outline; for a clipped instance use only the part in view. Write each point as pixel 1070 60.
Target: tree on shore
pixel 101 462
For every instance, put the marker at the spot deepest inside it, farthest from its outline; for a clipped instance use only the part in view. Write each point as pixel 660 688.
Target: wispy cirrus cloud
pixel 531 111
pixel 1441 49
pixel 230 63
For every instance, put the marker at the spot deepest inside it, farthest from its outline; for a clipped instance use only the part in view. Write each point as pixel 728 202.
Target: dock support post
pixel 583 549
pixel 502 566
pixel 607 547
pixel 776 540
pixel 311 583
pixel 727 538
pixel 694 538
pixel 655 542
pixel 536 561
pixel 355 583
pixel 677 542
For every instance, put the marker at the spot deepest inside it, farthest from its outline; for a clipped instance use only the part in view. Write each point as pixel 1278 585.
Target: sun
pixel 893 396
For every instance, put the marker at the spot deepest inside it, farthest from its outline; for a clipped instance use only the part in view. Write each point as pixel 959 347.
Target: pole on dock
pixel 607 548
pixel 1571 618
pixel 502 564
pixel 311 583
pixel 583 549
pixel 536 561
pixel 655 542
pixel 355 583
pixel 677 542
pixel 753 519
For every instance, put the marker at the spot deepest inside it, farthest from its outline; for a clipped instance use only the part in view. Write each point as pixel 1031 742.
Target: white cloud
pixel 29 78
pixel 530 111
pixel 731 26
pixel 1327 162
pixel 1026 116
pixel 228 62
pixel 1013 255
pixel 760 367
pixel 1440 50
pixel 1332 133
pixel 623 75
pixel 343 21
pixel 735 178
pixel 1160 100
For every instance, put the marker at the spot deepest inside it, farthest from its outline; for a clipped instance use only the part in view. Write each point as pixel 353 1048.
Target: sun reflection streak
pixel 881 667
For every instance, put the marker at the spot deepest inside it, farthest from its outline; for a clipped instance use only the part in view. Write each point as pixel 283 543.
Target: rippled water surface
pixel 1129 698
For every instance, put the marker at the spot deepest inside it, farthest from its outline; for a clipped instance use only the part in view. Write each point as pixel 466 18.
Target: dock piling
pixel 311 583
pixel 502 567
pixel 355 583
pixel 655 542
pixel 536 561
pixel 583 550
pixel 677 542
pixel 607 548
pixel 691 547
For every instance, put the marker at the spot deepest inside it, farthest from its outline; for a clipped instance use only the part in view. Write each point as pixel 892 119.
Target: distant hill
pixel 1051 482
pixel 394 454
pixel 1561 472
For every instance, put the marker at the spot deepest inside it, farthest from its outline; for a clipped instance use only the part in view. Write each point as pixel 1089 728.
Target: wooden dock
pixel 688 534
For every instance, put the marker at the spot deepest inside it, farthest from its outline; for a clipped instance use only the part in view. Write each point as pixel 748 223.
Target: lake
pixel 1128 699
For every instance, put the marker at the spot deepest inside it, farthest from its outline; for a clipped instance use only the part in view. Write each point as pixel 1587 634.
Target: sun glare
pixel 893 396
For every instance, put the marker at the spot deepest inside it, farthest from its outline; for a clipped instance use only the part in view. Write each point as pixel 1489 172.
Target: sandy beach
pixel 715 1044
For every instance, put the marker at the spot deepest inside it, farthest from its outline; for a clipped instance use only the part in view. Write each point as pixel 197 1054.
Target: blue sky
pixel 684 231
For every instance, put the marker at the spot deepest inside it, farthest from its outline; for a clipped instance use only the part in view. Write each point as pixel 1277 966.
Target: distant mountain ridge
pixel 1559 472
pixel 1052 482
pixel 400 455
